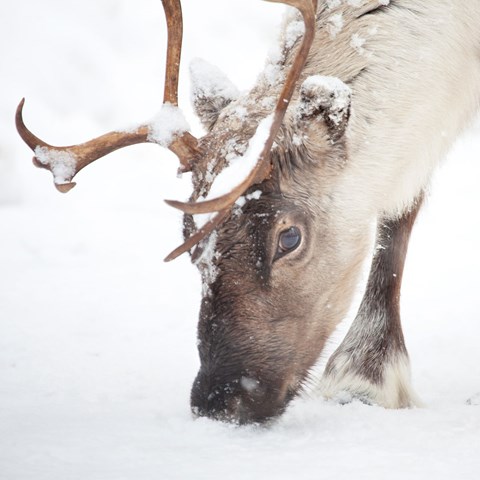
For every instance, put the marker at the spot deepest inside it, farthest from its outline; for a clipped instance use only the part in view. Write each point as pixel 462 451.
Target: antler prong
pixel 173 15
pixel 27 136
pixel 260 172
pixel 203 232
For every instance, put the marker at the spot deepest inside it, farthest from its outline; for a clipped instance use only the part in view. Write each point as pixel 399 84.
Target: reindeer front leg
pixel 372 362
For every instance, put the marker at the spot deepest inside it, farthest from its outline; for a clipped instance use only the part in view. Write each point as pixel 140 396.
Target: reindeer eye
pixel 288 240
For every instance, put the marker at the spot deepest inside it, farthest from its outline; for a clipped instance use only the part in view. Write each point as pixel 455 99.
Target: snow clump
pixel 61 163
pixel 333 3
pixel 206 262
pixel 295 29
pixel 335 25
pixel 240 167
pixel 241 201
pixel 326 92
pixel 273 73
pixel 166 125
pixel 208 81
pixel 357 43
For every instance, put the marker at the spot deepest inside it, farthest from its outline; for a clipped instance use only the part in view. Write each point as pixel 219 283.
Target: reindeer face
pixel 254 312
pixel 277 275
pixel 279 272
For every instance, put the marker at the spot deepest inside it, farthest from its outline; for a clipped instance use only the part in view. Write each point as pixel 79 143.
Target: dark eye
pixel 288 240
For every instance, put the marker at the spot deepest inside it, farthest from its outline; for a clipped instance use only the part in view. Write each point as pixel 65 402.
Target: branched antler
pixel 66 162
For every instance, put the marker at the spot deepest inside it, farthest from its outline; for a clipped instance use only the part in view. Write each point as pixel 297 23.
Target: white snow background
pixel 97 334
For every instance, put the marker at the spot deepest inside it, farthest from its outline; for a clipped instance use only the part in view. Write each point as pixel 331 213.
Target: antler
pixel 262 169
pixel 66 162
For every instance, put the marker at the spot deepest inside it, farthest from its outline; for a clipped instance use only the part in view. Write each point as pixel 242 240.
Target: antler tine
pixel 65 162
pixel 263 168
pixel 198 236
pixel 173 14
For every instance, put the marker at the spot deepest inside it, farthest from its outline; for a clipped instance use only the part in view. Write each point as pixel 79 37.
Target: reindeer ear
pixel 329 98
pixel 212 91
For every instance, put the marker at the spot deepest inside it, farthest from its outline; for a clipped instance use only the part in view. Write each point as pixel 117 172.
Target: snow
pixel 327 92
pixel 295 29
pixel 335 24
pixel 97 334
pixel 167 124
pixel 357 42
pixel 359 3
pixel 273 73
pixel 62 164
pixel 209 81
pixel 292 28
pixel 254 195
pixel 206 263
pixel 333 3
pixel 475 400
pixel 249 384
pixel 353 3
pixel 240 166
pixel 241 201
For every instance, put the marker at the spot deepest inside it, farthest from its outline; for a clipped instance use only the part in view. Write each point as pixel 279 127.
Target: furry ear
pixel 329 98
pixel 212 91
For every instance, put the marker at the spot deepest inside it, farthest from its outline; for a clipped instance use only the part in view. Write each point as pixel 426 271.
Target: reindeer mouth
pixel 243 401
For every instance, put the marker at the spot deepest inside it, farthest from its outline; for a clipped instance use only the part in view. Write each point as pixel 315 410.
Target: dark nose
pixel 242 400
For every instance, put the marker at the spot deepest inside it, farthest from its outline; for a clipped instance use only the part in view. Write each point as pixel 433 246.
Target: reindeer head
pixel 277 267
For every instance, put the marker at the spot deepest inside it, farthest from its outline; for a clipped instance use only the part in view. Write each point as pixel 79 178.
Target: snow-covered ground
pixel 97 334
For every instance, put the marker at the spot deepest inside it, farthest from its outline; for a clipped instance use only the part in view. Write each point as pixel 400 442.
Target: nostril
pixel 210 398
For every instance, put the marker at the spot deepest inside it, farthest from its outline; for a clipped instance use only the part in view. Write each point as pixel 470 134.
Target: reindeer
pixel 343 129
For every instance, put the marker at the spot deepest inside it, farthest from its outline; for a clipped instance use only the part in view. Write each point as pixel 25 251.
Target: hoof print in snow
pixel 475 400
pixel 344 397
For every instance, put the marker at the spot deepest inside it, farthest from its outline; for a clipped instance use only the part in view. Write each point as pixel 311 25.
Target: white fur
pixel 367 340
pixel 420 89
pixel 414 70
pixel 415 81
pixel 394 392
